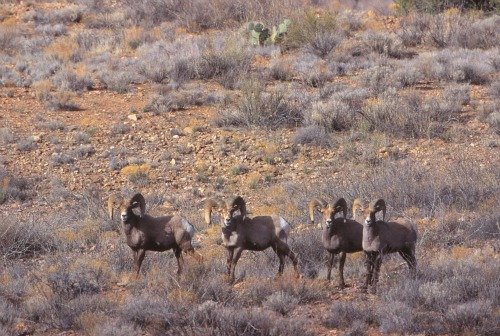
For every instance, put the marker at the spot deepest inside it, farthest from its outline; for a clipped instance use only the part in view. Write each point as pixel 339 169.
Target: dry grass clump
pixel 6 136
pixel 317 32
pixel 310 251
pixel 26 145
pixel 137 174
pixel 16 188
pixel 409 116
pixel 67 80
pixel 166 100
pixel 343 314
pixel 312 135
pixel 24 239
pixel 258 107
pixel 281 302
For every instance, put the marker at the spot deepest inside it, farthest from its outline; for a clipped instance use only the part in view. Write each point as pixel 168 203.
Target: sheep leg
pixel 341 270
pixel 178 256
pixel 330 266
pixel 410 259
pixel 376 272
pixel 369 263
pixel 230 253
pixel 281 255
pixel 236 257
pixel 284 249
pixel 281 267
pixel 138 258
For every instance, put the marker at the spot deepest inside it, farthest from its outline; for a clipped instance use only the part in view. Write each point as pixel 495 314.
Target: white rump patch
pixel 285 226
pixel 188 227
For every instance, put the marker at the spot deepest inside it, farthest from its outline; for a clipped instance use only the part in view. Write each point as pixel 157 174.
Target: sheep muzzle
pixel 124 216
pixel 228 222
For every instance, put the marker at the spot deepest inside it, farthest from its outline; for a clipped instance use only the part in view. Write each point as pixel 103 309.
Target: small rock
pixel 172 162
pixel 133 117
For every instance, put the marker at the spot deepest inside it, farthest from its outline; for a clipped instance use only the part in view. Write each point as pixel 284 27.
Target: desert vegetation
pixel 186 101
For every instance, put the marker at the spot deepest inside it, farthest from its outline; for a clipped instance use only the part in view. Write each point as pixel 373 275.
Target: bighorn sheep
pixel 340 235
pixel 146 233
pixel 239 233
pixel 381 237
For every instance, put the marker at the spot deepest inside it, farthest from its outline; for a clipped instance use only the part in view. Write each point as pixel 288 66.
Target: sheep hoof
pixel 364 290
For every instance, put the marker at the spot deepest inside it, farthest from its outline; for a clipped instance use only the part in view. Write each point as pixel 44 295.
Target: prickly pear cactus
pixel 280 31
pixel 260 35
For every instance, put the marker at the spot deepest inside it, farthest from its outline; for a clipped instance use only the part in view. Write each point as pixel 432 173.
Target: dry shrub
pixel 133 169
pixel 343 314
pixel 25 239
pixel 314 30
pixel 257 107
pixel 281 302
pixel 64 47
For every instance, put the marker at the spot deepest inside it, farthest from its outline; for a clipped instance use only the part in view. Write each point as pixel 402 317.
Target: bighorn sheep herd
pixel 239 232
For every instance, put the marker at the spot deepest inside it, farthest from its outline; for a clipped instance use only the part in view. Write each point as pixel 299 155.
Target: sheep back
pixel 390 237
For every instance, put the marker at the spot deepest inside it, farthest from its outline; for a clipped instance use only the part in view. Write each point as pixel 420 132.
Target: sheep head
pixel 238 203
pixel 371 211
pixel 225 209
pixel 329 211
pixel 339 206
pixel 125 207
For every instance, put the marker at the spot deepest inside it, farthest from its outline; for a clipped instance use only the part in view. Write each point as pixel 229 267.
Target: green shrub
pixel 433 6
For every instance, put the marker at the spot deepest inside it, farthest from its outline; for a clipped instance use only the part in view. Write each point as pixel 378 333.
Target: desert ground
pixel 180 101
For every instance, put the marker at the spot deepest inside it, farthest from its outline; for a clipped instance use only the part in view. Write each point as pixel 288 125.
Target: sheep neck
pixel 369 232
pixel 130 225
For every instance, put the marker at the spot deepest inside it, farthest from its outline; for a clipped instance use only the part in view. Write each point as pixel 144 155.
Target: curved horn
pixel 340 205
pixel 112 201
pixel 379 205
pixel 207 210
pixel 316 203
pixel 357 204
pixel 138 199
pixel 241 204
